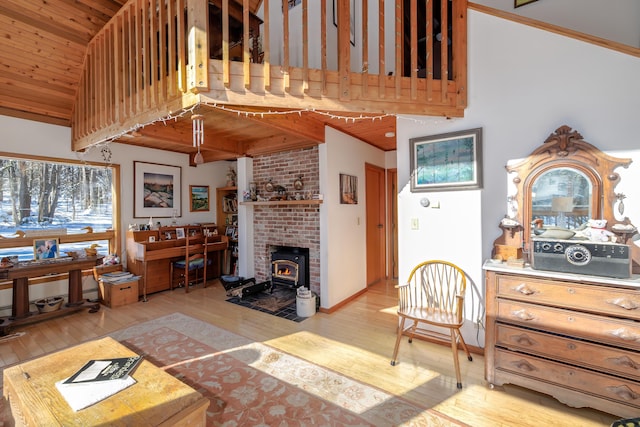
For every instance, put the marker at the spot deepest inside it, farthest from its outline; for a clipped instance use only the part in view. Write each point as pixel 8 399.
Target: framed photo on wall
pixel 199 198
pixel 451 161
pixel 156 191
pixel 348 189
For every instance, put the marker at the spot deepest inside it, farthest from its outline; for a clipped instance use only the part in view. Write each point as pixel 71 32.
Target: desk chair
pixel 195 260
pixel 433 295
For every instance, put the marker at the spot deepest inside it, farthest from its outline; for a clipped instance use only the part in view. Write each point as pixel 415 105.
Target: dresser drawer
pixel 619 332
pixel 593 298
pixel 592 383
pixel 612 360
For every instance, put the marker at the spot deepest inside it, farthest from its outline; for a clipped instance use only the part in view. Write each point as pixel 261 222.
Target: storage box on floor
pixel 116 287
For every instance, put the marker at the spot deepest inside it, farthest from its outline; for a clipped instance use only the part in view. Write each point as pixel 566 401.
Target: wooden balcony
pixel 292 69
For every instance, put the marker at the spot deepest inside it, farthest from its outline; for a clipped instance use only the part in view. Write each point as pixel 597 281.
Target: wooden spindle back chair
pixel 433 295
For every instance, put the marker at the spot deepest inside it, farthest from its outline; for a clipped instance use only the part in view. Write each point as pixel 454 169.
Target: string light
pixel 261 114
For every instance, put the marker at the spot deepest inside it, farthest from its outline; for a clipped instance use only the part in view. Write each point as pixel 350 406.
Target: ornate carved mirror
pixel 561 185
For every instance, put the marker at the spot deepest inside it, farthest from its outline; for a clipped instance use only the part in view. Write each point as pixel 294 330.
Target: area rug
pixel 281 303
pixel 252 384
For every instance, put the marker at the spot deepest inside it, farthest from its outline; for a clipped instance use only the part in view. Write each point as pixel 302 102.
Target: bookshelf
pixel 227 220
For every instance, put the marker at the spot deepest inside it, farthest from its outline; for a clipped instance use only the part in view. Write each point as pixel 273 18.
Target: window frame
pixel 111 235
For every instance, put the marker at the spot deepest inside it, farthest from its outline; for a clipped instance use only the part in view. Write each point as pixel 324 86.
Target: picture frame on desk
pixel 46 248
pixel 180 233
pixel 157 190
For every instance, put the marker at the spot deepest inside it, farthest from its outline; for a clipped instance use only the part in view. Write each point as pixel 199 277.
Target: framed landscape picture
pixel 451 161
pixel 199 197
pixel 156 191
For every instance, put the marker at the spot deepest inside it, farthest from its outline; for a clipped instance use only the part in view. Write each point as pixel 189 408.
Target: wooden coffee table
pixel 157 399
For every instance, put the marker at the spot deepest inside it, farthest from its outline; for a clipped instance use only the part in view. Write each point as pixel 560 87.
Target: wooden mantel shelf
pixel 283 202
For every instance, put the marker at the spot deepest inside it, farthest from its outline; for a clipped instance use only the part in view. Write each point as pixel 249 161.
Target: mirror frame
pixel 563 148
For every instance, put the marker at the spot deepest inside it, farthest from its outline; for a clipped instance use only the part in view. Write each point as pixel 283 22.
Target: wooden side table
pixel 157 399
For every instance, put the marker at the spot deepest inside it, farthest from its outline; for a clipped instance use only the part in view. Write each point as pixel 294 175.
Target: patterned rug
pixel 252 384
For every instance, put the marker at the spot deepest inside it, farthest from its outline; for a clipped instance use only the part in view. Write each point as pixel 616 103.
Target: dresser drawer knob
pixel 624 392
pixel 625 303
pixel 523 340
pixel 624 361
pixel 524 289
pixel 625 335
pixel 523 365
pixel 523 315
pixel 571 346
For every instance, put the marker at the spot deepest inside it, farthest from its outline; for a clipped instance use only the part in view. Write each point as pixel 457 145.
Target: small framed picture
pixel 179 233
pixel 45 248
pixel 199 198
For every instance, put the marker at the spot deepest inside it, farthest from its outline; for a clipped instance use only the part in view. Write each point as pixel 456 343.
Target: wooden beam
pixel 198 44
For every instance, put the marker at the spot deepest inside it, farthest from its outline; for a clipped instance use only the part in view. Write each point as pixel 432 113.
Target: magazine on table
pixel 97 380
pixel 105 369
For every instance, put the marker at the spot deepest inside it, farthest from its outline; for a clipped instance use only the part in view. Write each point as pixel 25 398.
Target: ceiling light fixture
pixel 198 137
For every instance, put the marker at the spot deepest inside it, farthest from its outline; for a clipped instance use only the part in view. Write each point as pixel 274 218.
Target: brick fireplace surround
pixel 287 225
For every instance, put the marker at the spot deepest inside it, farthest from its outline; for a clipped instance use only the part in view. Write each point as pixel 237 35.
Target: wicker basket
pixel 48 305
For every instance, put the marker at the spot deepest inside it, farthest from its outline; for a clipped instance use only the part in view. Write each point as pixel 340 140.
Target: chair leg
pixel 171 276
pixel 456 361
pixel 464 346
pixel 398 338
pixel 413 331
pixel 186 279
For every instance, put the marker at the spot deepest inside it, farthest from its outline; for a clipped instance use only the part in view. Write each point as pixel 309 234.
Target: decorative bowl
pixel 48 305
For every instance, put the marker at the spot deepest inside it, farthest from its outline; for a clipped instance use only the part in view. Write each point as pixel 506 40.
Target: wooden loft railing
pixel 157 56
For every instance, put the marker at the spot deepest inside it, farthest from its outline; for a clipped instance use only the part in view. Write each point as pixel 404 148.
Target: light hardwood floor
pixel 356 340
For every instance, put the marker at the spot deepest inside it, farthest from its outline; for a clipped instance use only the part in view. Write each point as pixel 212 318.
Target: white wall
pixel 343 240
pixel 611 20
pixel 524 83
pixel 40 139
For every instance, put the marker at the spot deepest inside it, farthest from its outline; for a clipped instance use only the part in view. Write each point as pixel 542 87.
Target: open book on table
pixel 97 380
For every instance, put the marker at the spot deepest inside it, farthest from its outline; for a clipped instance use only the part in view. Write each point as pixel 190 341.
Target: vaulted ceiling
pixel 42 52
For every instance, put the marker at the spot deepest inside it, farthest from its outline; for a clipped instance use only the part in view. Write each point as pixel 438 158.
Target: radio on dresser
pixel 581 257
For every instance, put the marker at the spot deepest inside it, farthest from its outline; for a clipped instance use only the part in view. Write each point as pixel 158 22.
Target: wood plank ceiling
pixel 42 52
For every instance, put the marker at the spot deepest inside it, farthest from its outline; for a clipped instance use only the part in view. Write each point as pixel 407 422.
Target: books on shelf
pixel 230 204
pixel 97 380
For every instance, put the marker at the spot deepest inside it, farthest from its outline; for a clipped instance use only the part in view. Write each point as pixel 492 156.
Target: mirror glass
pixel 561 197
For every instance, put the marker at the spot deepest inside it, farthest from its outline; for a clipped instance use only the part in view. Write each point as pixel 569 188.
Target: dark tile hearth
pixel 280 303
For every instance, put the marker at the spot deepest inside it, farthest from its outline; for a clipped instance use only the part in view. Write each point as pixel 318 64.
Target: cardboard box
pixel 118 294
pixel 115 294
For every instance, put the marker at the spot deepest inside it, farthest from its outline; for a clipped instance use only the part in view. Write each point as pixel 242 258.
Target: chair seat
pixel 193 264
pixel 430 315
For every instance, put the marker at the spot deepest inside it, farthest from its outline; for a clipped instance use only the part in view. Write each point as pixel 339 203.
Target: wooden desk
pixel 152 260
pixel 20 275
pixel 157 399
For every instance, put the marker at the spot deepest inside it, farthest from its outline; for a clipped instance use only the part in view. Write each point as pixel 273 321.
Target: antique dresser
pixel 570 327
